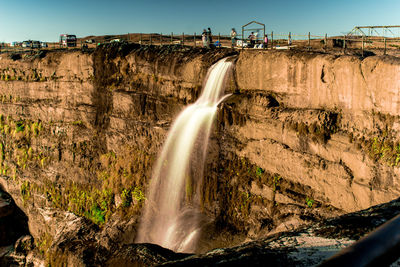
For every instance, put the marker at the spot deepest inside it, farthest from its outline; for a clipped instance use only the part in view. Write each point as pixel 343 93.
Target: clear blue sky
pixel 46 19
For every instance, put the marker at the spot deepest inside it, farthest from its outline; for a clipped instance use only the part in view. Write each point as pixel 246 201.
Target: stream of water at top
pixel 171 216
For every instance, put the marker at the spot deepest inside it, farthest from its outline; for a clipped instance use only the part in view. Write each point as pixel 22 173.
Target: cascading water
pixel 171 215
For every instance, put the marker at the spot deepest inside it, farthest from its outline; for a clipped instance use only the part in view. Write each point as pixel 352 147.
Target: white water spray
pixel 171 216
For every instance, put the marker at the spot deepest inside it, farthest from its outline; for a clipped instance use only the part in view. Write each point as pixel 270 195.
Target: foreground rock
pixel 304 247
pixel 81 243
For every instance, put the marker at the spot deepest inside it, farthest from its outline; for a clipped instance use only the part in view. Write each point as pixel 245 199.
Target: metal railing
pixel 379 248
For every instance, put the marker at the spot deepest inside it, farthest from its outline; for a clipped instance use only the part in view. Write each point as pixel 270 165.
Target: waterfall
pixel 171 216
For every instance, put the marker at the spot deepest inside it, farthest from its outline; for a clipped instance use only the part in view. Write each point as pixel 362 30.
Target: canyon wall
pixel 352 103
pixel 303 136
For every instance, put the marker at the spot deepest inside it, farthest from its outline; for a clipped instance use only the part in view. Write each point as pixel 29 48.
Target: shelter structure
pixel 245 28
pixel 378 31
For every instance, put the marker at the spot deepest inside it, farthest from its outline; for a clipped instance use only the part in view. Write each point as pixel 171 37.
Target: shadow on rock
pixel 13 222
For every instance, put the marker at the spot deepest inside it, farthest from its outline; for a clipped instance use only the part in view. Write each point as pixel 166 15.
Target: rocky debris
pixel 24 244
pixel 79 242
pixel 19 254
pixel 142 255
pixel 308 246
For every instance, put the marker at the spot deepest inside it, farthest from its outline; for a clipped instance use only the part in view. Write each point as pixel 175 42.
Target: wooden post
pixel 219 39
pixel 362 46
pixel 183 38
pixel 242 38
pixel 309 41
pixel 141 39
pixel 272 40
pixel 263 39
pixel 344 44
pixel 326 40
pixel 172 35
pixel 161 39
pixel 194 39
pixel 384 50
pixel 151 39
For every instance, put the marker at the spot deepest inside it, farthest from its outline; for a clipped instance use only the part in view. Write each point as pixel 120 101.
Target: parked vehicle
pixel 26 44
pixel 90 41
pixel 35 44
pixel 43 44
pixel 68 40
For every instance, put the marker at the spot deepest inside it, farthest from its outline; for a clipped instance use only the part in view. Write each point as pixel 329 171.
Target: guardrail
pixel 379 248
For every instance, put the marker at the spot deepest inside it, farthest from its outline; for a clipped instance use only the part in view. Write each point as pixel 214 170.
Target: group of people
pixel 252 38
pixel 206 37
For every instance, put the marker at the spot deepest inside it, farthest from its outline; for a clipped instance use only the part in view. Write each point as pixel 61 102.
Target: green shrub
pixel 126 197
pixel 259 171
pixel 138 194
pixel 309 202
pixel 25 190
pixel 96 214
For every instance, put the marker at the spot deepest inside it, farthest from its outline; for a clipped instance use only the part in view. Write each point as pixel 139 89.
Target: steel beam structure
pixel 377 31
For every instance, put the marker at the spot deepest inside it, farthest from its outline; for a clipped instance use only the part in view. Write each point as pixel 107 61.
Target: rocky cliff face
pixel 337 124
pixel 303 137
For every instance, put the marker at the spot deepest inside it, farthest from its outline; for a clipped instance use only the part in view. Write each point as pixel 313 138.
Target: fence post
pixel 242 38
pixel 272 40
pixel 362 46
pixel 151 39
pixel 344 44
pixel 384 50
pixel 183 38
pixel 326 41
pixel 219 39
pixel 141 39
pixel 161 39
pixel 309 41
pixel 172 35
pixel 194 39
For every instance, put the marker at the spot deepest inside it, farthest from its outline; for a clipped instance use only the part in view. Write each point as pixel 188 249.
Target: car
pixel 90 41
pixel 26 44
pixel 43 44
pixel 35 44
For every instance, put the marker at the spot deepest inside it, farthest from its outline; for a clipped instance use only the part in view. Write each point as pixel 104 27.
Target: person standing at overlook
pixel 266 41
pixel 252 39
pixel 209 36
pixel 233 37
pixel 204 38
